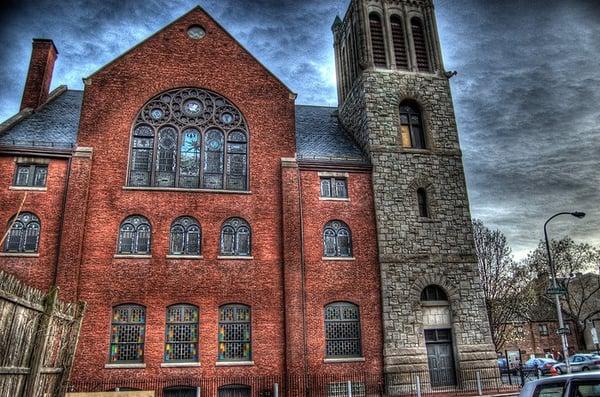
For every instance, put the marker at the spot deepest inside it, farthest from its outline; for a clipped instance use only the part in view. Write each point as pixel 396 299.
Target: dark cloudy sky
pixel 527 95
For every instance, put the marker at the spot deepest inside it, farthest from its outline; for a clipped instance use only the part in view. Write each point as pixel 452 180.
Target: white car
pixel 580 363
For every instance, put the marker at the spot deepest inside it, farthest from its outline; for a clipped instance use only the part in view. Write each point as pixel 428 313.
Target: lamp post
pixel 556 292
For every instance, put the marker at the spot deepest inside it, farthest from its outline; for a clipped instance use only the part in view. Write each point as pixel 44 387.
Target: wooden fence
pixel 38 338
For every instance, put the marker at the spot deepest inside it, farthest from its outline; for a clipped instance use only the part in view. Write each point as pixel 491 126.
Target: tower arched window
pixel 411 126
pixel 337 240
pixel 186 237
pixel 24 234
pixel 189 138
pixel 420 45
pixel 128 328
pixel 235 333
pixel 433 293
pixel 135 236
pixel 422 203
pixel 181 334
pixel 235 238
pixel 399 42
pixel 342 330
pixel 377 40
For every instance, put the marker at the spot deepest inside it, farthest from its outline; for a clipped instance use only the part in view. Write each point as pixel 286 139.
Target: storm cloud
pixel 527 93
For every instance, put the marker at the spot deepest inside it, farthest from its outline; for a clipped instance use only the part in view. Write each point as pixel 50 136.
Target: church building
pixel 217 229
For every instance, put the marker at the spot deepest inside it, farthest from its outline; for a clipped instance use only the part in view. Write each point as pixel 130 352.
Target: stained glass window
pixel 24 235
pixel 337 240
pixel 342 330
pixel 185 236
pixel 31 175
pixel 411 127
pixel 234 333
pixel 181 334
pixel 235 238
pixel 189 138
pixel 135 236
pixel 127 334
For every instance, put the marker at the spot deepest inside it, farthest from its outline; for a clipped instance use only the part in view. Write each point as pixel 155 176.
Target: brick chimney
pixel 39 76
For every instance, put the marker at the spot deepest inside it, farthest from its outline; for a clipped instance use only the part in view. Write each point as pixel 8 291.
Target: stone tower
pixel 394 97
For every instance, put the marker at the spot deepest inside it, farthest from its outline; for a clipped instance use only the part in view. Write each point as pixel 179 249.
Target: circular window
pixel 196 32
pixel 156 113
pixel 192 107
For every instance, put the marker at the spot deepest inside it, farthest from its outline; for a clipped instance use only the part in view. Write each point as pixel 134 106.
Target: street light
pixel 556 292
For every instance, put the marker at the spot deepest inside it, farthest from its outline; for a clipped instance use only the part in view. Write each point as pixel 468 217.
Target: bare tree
pixel 503 287
pixel 577 273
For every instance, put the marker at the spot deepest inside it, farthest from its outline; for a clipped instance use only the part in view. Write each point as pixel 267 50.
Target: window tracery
pixel 189 138
pixel 337 240
pixel 135 236
pixel 186 237
pixel 235 238
pixel 24 234
pixel 342 330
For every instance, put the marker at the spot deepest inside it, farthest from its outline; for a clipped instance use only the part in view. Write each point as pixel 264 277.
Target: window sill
pixel 181 189
pixel 179 365
pixel 125 366
pixel 338 258
pixel 234 363
pixel 20 254
pixel 344 360
pixel 132 256
pixel 233 258
pixel 184 257
pixel 423 219
pixel 334 198
pixel 415 150
pixel 28 188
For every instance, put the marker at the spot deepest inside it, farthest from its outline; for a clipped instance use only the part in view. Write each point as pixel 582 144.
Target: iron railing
pixel 472 381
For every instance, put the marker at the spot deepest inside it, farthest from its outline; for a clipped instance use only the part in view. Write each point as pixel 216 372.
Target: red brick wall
pixel 48 207
pixel 529 341
pixel 168 60
pixel 356 281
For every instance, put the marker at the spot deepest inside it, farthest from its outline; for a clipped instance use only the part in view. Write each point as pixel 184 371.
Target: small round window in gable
pixel 196 32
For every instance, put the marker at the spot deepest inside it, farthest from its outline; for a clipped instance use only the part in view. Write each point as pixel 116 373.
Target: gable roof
pixel 53 125
pixel 196 8
pixel 321 136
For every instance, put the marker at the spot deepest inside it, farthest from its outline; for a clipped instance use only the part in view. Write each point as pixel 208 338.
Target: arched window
pixel 234 333
pixel 433 293
pixel 234 391
pixel 337 240
pixel 134 236
pixel 181 334
pixel 235 238
pixel 128 329
pixel 179 140
pixel 377 40
pixel 399 42
pixel 185 237
pixel 411 126
pixel 422 203
pixel 342 330
pixel 420 44
pixel 24 234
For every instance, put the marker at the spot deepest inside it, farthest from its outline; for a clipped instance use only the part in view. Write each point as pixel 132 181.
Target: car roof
pixel 553 379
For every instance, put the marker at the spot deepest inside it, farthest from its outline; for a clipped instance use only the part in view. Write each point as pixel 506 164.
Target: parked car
pixel 535 364
pixel 504 367
pixel 579 363
pixel 573 385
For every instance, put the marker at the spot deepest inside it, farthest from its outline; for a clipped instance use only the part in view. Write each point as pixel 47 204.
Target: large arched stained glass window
pixel 135 236
pixel 185 237
pixel 189 138
pixel 337 240
pixel 24 234
pixel 235 238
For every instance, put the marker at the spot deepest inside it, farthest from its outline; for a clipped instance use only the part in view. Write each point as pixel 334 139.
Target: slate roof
pixel 320 136
pixel 54 125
